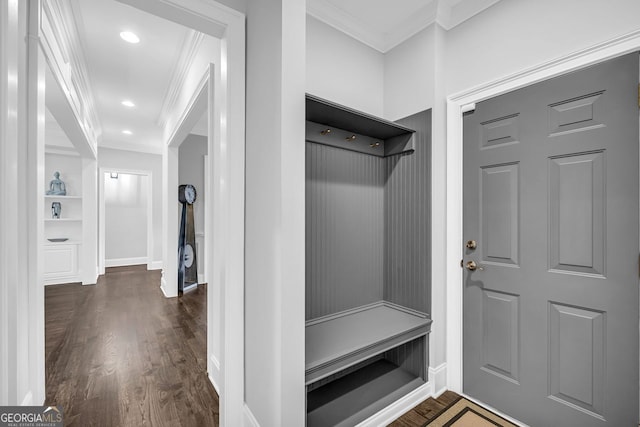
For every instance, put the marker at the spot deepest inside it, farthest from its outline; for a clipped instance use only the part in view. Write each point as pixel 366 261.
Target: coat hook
pixel 351 138
pixel 374 144
pixel 325 132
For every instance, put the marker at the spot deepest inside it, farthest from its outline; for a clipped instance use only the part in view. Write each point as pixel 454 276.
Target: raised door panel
pixel 500 131
pixel 577 214
pixel 501 334
pixel 499 211
pixel 576 357
pixel 576 114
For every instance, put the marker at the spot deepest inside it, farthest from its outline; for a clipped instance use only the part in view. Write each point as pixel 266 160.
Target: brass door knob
pixel 471 244
pixel 472 266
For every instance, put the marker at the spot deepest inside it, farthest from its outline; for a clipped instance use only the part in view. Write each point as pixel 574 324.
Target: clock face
pixel 187 194
pixel 190 194
pixel 188 256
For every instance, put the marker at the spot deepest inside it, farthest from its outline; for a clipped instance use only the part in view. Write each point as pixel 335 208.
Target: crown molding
pixel 62 151
pixel 446 13
pixel 80 72
pixel 61 42
pixel 416 22
pixel 345 22
pixel 458 12
pixel 188 53
pixel 129 146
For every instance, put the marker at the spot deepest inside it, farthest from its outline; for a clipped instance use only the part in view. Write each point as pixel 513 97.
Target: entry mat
pixel 464 413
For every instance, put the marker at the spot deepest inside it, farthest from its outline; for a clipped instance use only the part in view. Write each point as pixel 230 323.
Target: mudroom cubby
pixel 368 289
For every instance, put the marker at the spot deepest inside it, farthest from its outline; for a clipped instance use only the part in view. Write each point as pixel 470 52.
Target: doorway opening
pixel 125 218
pixel 226 158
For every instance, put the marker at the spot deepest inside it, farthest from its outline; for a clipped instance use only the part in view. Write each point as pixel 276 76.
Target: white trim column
pixel 169 281
pixel 22 204
pixel 9 166
pixel 33 176
pixel 275 213
pixel 89 250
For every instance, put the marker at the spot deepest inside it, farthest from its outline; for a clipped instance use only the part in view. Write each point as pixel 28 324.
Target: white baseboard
pixel 163 284
pixel 92 280
pixel 62 280
pixel 399 407
pixel 119 262
pixel 214 384
pixel 154 265
pixel 249 419
pixel 438 379
pixel 216 363
pixel 28 399
pixel 214 368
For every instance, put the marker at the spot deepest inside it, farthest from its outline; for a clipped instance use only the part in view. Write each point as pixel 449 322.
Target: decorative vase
pixel 56 208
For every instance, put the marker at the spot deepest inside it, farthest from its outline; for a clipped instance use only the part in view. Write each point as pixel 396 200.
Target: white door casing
pixel 226 187
pixel 457 104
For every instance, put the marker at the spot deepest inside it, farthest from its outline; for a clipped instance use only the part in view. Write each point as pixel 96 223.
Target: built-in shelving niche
pixel 368 290
pixel 62 257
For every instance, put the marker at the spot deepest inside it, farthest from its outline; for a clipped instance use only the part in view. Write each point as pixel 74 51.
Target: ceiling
pixel 141 73
pixel 383 24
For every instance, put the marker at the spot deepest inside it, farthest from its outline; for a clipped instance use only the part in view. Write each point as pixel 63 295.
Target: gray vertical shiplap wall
pixel 412 356
pixel 344 229
pixel 407 208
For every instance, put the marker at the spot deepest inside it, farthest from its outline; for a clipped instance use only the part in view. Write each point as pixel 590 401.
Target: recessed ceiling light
pixel 130 37
pixel 128 103
pixel 127 132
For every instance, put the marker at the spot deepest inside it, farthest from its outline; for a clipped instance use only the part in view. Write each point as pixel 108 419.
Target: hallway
pixel 121 354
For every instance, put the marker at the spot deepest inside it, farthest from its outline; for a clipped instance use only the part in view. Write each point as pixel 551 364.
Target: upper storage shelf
pixel 332 124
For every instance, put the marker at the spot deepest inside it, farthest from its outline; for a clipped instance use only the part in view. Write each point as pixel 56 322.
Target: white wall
pixel 515 35
pixel 274 231
pixel 409 76
pixel 342 69
pixel 191 171
pixel 128 160
pixel 125 204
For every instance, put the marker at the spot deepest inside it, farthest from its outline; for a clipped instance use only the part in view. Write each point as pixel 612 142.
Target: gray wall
pixel 368 226
pixel 191 171
pixel 121 159
pixel 344 229
pixel 125 205
pixel 407 207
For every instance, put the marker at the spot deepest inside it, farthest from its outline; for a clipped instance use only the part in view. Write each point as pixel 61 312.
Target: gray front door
pixel 551 198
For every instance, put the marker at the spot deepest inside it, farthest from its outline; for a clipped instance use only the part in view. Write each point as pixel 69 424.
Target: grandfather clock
pixel 187 266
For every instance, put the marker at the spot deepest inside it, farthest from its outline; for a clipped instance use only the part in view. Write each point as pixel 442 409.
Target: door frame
pixel 464 101
pixel 226 189
pixel 102 213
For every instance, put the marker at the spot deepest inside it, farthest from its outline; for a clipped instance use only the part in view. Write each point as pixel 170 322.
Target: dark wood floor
pixel 426 411
pixel 121 354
